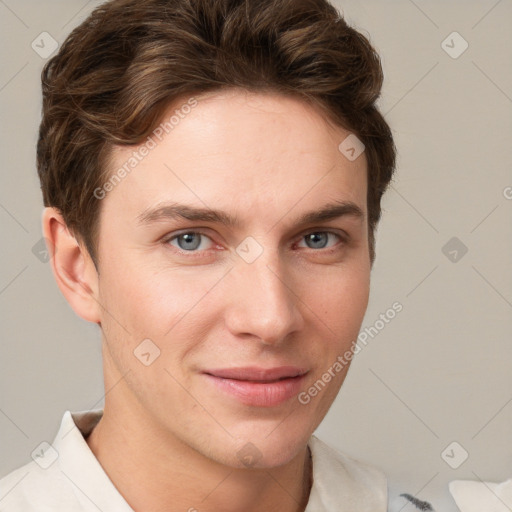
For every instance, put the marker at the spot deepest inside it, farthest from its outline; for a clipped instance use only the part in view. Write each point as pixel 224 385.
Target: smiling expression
pixel 239 247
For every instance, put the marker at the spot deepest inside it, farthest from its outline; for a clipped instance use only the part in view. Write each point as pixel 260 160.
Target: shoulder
pixel 343 481
pixel 30 484
pixel 47 483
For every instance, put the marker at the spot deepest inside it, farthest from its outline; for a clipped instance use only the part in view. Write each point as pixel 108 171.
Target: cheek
pixel 137 298
pixel 337 314
pixel 165 306
pixel 340 301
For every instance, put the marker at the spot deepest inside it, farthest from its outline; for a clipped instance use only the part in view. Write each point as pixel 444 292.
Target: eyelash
pixel 201 254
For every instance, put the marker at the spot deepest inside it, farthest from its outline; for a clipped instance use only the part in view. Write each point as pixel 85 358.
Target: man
pixel 212 175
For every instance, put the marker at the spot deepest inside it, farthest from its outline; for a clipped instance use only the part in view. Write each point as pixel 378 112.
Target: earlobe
pixel 72 266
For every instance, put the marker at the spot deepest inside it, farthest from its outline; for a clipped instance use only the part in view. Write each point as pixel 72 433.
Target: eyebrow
pixel 172 211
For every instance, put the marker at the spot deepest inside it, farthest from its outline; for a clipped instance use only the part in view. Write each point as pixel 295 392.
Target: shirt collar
pixel 77 462
pixel 340 483
pixel 343 484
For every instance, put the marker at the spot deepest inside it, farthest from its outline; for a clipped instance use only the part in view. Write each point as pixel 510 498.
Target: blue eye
pixel 319 239
pixel 193 242
pixel 189 241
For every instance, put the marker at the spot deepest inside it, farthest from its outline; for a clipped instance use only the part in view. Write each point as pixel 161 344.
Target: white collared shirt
pixel 66 476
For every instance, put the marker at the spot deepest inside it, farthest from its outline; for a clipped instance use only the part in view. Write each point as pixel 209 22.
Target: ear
pixel 72 267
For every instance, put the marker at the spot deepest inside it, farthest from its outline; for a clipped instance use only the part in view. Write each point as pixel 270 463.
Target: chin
pixel 269 451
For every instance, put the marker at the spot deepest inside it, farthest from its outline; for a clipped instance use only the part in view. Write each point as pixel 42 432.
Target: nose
pixel 264 301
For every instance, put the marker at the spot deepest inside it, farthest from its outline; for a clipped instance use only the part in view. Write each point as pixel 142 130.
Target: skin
pixel 169 439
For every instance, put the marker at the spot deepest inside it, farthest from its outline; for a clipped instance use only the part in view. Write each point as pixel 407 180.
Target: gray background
pixel 440 370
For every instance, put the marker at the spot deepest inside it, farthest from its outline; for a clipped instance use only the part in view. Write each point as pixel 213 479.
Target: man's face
pixel 267 292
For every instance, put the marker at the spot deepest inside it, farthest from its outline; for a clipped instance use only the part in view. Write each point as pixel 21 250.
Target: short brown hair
pixel 119 70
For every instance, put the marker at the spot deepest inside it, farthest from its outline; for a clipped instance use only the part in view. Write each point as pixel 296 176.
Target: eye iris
pixel 314 238
pixel 188 237
pixel 317 240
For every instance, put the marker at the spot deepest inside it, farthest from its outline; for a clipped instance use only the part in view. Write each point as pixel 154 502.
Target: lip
pixel 261 387
pixel 255 373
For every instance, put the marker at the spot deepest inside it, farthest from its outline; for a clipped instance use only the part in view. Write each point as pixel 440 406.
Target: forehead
pixel 239 147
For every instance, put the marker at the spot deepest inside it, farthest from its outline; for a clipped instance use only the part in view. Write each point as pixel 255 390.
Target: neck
pixel 155 471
